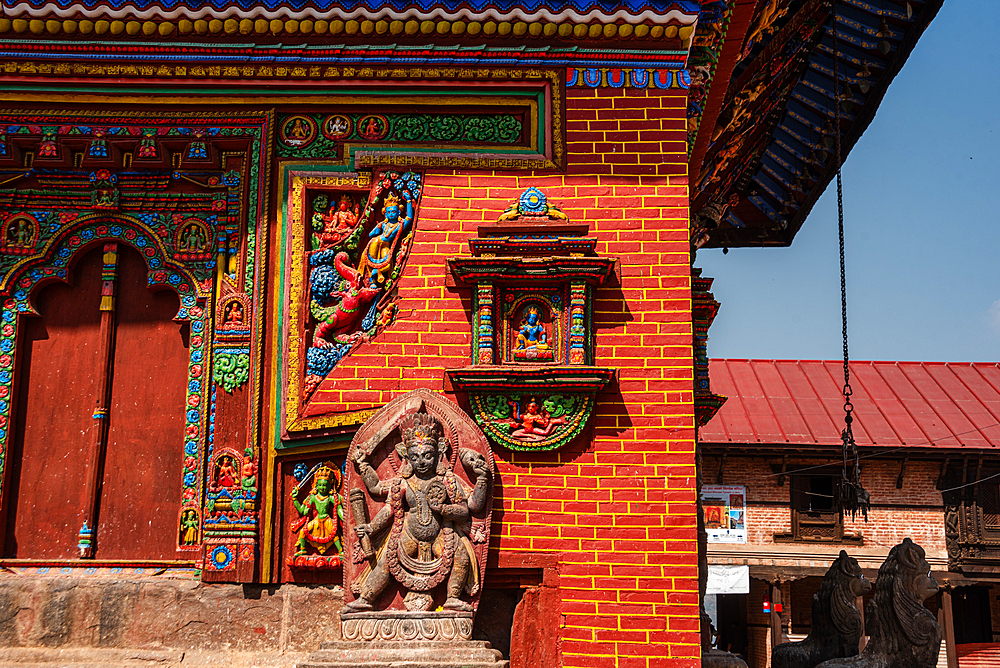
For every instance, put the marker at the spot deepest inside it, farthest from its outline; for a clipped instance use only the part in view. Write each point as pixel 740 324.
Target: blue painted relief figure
pixel 532 337
pixel 384 239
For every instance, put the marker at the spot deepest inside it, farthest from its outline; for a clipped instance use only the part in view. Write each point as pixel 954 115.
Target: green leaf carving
pixel 231 370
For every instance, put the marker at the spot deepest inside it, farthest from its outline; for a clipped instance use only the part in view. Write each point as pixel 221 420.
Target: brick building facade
pixel 922 429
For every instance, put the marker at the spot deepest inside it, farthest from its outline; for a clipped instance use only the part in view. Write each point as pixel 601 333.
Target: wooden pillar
pixel 947 621
pixel 99 432
pixel 775 615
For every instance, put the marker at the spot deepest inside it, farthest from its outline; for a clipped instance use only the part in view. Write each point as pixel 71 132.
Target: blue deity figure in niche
pixel 532 337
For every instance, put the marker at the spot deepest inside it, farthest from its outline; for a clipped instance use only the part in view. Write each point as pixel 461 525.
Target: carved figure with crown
pixel 376 261
pixel 321 514
pixel 421 536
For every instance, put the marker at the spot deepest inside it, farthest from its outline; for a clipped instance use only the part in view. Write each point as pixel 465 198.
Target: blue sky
pixel 922 224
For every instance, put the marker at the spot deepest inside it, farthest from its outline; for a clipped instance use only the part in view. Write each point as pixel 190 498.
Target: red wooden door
pixel 57 383
pixel 60 367
pixel 141 491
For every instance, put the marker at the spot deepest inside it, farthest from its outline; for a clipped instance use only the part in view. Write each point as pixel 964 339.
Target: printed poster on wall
pixel 725 513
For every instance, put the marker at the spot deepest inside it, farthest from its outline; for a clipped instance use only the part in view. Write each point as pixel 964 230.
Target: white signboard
pixel 725 513
pixel 723 579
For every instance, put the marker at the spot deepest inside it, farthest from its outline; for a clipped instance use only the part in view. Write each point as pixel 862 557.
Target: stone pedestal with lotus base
pixel 406 654
pixel 439 625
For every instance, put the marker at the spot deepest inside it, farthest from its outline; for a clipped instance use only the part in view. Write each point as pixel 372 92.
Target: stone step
pixel 404 654
pixel 88 656
pixel 96 657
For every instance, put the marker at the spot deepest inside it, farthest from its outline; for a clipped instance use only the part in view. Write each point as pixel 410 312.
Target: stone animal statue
pixel 836 623
pixel 903 633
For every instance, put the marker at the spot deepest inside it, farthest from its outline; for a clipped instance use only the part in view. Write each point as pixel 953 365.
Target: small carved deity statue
pixel 321 514
pixel 298 130
pixel 234 313
pixel 336 225
pixel 532 339
pixel 421 536
pixel 535 422
pixel 193 238
pixel 385 238
pixel 189 528
pixel 21 234
pixel 225 476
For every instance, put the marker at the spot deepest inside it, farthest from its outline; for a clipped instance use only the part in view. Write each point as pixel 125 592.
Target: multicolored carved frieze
pixel 534 275
pixel 350 237
pixel 713 23
pixel 318 530
pixel 186 191
pixel 231 354
pixel 324 135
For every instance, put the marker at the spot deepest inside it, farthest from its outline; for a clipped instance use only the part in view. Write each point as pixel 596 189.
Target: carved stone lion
pixel 836 623
pixel 903 633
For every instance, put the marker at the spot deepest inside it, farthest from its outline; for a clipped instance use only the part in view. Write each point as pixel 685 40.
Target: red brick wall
pixel 888 523
pixel 618 509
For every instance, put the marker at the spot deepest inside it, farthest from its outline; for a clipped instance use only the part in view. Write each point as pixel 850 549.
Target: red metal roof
pixel 913 404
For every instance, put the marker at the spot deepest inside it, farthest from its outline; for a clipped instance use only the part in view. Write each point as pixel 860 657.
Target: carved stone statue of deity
pixel 421 500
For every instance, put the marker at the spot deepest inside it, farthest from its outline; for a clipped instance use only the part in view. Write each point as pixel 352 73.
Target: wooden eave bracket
pixel 939 485
pixel 483 378
pixel 902 472
pixel 784 467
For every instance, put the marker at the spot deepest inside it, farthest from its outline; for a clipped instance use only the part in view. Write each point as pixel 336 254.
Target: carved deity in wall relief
pixel 427 514
pixel 421 484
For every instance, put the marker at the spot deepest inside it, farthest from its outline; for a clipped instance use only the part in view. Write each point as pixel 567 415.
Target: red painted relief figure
pixel 427 515
pixel 336 225
pixel 376 261
pixel 234 314
pixel 535 422
pixel 321 514
pixel 352 300
pixel 225 476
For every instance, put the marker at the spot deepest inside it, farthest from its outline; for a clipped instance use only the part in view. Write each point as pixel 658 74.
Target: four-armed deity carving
pixel 420 475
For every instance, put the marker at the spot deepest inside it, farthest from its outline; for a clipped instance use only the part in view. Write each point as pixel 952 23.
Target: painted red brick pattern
pixel 618 506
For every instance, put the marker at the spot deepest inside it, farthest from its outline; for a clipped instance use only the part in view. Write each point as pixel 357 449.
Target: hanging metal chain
pixel 854 497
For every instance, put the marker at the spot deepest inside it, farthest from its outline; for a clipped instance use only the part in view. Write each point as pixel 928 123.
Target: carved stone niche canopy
pixel 419 477
pixel 533 383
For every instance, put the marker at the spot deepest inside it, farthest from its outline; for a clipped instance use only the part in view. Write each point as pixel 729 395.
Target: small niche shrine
pixel 533 382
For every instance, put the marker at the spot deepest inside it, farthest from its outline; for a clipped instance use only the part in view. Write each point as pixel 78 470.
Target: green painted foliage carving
pixel 231 370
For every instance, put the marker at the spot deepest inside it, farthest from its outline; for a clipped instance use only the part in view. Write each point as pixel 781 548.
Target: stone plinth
pixel 442 625
pixel 406 654
pixel 716 658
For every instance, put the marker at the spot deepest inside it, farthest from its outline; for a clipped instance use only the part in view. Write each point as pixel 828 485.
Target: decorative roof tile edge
pixel 125 27
pixel 677 12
